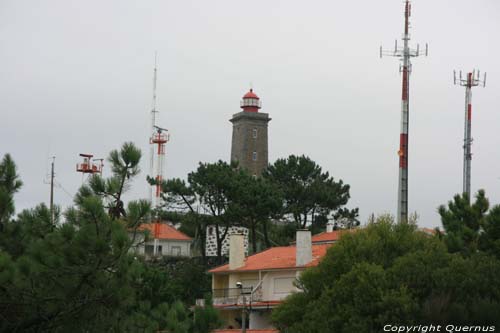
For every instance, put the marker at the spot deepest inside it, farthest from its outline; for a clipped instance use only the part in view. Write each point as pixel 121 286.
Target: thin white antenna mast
pixel 153 124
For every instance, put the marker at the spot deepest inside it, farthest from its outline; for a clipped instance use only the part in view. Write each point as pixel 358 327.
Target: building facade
pixel 211 239
pixel 258 283
pixel 160 239
pixel 249 145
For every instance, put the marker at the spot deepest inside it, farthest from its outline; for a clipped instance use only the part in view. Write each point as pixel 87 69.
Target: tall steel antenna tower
pixel 405 53
pixel 152 129
pixel 472 79
pixel 159 137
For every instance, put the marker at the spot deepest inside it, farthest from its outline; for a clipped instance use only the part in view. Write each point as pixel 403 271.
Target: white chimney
pixel 329 226
pixel 303 254
pixel 236 251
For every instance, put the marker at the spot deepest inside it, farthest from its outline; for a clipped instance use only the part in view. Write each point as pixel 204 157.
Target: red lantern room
pixel 250 102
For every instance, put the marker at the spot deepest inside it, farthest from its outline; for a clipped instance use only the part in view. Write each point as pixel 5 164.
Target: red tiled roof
pixel 274 258
pixel 330 236
pixel 231 330
pixel 163 231
pixel 429 231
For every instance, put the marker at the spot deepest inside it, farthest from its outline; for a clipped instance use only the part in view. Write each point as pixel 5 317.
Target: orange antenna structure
pixel 160 138
pixel 88 165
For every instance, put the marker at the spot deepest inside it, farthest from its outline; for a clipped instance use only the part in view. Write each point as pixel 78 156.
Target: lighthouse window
pixel 254 133
pixel 254 156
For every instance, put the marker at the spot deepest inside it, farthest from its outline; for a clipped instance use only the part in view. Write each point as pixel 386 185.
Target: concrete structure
pixel 303 249
pixel 211 240
pixel 262 281
pixel 250 140
pixel 161 239
pixel 237 254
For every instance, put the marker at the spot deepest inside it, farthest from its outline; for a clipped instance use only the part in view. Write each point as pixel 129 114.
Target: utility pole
pixel 405 53
pixel 52 191
pixel 472 79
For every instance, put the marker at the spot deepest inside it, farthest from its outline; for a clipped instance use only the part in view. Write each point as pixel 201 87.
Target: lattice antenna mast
pixel 154 111
pixel 159 138
pixel 473 79
pixel 405 53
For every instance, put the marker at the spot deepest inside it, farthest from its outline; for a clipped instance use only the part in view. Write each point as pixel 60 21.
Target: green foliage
pixel 471 227
pixel 68 276
pixel 79 276
pixel 206 197
pixel 489 240
pixel 462 222
pixel 255 201
pixel 308 192
pixel 9 185
pixel 206 318
pixel 173 278
pixel 124 166
pixel 392 273
pixel 221 195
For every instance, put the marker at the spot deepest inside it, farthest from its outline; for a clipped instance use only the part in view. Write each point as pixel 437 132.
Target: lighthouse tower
pixel 250 142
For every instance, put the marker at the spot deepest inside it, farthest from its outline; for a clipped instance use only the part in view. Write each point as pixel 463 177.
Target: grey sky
pixel 76 76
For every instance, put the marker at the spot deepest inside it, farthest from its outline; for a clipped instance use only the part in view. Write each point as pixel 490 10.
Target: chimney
pixel 236 251
pixel 329 227
pixel 303 254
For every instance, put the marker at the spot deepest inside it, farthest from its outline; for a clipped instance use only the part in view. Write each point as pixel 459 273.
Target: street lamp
pixel 239 285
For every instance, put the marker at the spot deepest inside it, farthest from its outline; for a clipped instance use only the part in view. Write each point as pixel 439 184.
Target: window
pixel 210 231
pixel 158 249
pixel 254 133
pixel 176 250
pixel 148 249
pixel 254 156
pixel 284 285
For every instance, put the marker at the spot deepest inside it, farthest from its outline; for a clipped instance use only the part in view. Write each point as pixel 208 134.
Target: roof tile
pixel 274 258
pixel 163 231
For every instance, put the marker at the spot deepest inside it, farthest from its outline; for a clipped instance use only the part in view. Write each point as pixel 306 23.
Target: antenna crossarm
pixel 392 53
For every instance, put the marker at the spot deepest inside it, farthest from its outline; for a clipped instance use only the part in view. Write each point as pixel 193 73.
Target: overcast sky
pixel 76 77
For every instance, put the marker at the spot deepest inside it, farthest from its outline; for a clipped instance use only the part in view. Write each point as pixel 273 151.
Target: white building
pixel 260 282
pixel 161 239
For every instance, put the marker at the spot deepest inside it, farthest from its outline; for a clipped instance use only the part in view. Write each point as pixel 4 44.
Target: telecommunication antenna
pixel 405 53
pixel 158 139
pixel 152 129
pixel 473 79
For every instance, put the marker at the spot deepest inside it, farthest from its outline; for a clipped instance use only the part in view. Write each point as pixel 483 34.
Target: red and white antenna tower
pixel 472 79
pixel 159 137
pixel 405 53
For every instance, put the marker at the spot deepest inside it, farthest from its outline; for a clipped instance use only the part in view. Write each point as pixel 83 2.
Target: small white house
pixel 161 239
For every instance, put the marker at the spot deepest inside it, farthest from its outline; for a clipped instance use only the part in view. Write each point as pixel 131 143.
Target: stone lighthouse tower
pixel 249 144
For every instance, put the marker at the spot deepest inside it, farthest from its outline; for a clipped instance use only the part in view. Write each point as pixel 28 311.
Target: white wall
pixel 168 247
pixel 278 285
pixel 260 319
